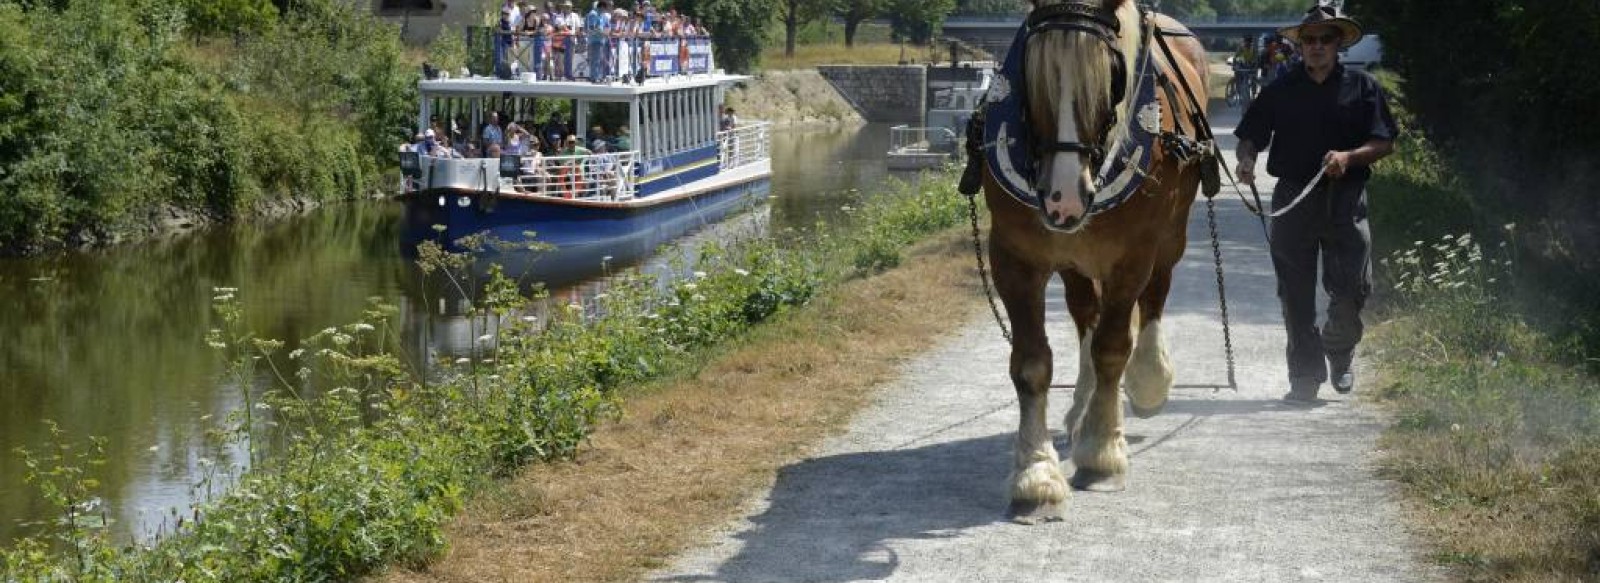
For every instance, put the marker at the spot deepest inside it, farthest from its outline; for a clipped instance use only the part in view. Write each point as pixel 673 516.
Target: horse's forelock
pixel 1081 59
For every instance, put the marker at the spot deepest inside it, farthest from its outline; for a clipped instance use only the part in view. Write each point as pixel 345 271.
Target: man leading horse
pixel 1326 124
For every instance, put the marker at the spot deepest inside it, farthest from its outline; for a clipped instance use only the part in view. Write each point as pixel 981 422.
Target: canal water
pixel 112 343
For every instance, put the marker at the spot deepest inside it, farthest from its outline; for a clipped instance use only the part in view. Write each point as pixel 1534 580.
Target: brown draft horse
pixel 1116 265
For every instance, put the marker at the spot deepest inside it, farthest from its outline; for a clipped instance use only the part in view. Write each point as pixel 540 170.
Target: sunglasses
pixel 1326 39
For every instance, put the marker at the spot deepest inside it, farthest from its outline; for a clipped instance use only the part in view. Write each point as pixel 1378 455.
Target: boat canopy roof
pixel 579 90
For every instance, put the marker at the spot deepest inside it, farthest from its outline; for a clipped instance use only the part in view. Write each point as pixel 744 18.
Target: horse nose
pixel 1063 210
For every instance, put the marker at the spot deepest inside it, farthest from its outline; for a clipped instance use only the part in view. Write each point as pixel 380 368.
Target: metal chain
pixel 1222 295
pixel 983 270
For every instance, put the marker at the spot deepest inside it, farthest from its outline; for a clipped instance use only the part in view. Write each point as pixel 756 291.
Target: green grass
pixel 1496 438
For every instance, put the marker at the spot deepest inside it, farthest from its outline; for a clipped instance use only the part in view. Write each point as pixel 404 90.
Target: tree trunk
pixel 791 22
pixel 850 32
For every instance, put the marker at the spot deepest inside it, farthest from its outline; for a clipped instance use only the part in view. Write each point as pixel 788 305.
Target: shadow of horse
pixel 834 518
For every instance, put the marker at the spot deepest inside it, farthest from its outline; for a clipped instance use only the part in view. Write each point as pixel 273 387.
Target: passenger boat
pixel 680 171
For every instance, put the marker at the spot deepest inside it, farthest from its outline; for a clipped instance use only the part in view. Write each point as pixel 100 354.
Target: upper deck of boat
pixel 615 91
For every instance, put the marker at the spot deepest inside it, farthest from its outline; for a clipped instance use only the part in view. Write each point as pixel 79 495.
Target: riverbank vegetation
pixel 117 116
pixel 1486 358
pixel 371 459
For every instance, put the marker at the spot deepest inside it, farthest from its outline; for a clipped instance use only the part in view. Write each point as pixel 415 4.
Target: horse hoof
pixel 1034 511
pixel 1098 481
pixel 1146 413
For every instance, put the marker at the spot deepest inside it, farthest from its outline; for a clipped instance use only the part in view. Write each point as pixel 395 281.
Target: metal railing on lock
pixel 915 140
pixel 598 177
pixel 744 145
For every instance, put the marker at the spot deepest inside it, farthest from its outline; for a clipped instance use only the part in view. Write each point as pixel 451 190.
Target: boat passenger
pixel 602 169
pixel 492 133
pixel 623 142
pixel 729 120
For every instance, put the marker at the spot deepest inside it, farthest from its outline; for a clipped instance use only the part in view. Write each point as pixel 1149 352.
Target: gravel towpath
pixel 1224 486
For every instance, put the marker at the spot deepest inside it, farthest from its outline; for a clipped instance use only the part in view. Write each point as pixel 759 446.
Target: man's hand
pixel 1337 162
pixel 1246 172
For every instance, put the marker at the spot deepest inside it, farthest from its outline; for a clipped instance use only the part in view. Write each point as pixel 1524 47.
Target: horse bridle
pixel 1089 18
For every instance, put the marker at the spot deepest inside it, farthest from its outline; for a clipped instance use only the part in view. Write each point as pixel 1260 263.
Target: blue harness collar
pixel 1014 158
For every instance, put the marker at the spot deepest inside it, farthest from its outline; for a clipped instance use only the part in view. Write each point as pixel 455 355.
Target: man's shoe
pixel 1344 383
pixel 1302 393
pixel 1341 373
pixel 1300 398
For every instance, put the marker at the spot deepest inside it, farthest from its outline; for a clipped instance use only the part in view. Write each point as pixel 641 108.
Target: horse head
pixel 1077 59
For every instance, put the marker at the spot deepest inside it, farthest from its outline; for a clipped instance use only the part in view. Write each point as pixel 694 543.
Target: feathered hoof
pixel 1098 481
pixel 1038 493
pixel 1145 412
pixel 1035 511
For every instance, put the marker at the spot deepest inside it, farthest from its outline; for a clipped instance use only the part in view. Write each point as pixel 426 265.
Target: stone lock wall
pixel 882 93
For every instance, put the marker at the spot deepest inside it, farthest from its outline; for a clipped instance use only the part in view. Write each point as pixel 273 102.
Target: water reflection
pixel 112 343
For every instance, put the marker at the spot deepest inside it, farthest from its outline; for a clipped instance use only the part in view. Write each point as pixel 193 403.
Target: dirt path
pixel 1225 486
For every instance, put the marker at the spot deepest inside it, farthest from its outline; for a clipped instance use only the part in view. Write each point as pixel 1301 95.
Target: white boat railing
pixel 608 176
pixel 744 145
pixel 911 140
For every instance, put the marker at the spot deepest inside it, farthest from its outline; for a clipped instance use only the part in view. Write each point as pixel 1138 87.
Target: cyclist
pixel 1244 72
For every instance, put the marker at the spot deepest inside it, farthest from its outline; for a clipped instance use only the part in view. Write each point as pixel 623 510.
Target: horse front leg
pixel 1150 370
pixel 1099 450
pixel 1083 303
pixel 1037 486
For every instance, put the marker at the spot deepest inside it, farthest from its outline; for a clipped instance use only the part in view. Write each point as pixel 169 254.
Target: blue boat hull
pixel 583 236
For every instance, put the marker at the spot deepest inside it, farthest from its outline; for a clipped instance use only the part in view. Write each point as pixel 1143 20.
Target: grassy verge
pixel 1497 433
pixel 687 452
pixel 371 461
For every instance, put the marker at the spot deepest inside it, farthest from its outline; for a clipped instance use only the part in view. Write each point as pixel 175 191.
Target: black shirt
pixel 1303 120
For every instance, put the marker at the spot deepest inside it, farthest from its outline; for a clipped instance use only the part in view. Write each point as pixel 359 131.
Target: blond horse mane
pixel 1050 57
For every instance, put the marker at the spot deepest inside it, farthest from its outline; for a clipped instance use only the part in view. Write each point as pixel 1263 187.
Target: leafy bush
pixel 107 116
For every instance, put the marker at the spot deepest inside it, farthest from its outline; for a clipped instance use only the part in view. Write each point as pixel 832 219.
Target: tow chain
pixel 1222 293
pixel 983 270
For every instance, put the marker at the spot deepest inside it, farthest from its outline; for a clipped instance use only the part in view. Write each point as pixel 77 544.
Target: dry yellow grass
pixel 807 56
pixel 687 453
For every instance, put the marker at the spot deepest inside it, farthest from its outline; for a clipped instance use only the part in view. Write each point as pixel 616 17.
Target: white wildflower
pixel 463 360
pixel 484 339
pixel 741 272
pixel 699 275
pixel 689 286
pixel 363 327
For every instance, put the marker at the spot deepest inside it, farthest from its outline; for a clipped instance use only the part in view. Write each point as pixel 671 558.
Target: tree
pixel 735 28
pixel 796 13
pixel 853 12
pixel 918 21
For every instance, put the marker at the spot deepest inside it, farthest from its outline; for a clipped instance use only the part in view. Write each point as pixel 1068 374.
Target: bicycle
pixel 1242 89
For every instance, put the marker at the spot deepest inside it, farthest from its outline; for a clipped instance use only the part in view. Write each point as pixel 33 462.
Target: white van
pixel 1366 54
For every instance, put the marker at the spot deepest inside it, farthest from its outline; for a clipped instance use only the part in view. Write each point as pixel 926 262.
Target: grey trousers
pixel 1330 225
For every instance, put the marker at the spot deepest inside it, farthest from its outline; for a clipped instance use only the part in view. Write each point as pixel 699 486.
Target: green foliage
pixel 371 459
pixel 910 212
pixel 918 21
pixel 107 116
pixel 1514 116
pixel 738 43
pixel 448 51
pixel 216 17
pixel 795 13
pixel 854 12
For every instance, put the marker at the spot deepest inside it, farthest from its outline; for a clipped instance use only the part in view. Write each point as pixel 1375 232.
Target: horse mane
pixel 1089 65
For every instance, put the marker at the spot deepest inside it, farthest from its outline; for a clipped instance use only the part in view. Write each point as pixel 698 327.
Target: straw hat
pixel 1325 15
